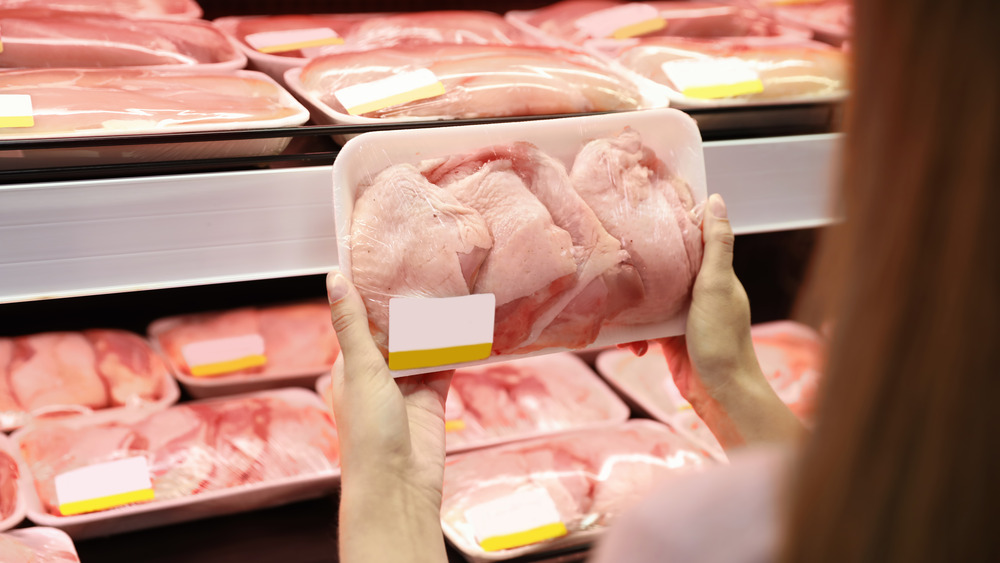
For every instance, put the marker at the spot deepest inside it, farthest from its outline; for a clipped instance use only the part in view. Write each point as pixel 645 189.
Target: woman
pixel 902 464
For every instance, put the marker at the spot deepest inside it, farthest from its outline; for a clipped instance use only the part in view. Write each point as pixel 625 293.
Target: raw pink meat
pixel 8 485
pixel 683 19
pixel 479 80
pixel 297 338
pixel 435 27
pixel 8 403
pixel 40 38
pixel 649 209
pixel 30 546
pixel 787 68
pixel 56 368
pixel 591 476
pixel 132 371
pixel 240 27
pixel 109 101
pixel 193 448
pixel 13 551
pixel 410 238
pixel 130 8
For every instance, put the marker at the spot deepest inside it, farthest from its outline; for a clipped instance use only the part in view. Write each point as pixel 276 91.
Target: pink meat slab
pixel 165 9
pixel 13 475
pixel 37 545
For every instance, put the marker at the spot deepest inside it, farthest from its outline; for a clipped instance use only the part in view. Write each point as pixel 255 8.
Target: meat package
pixel 275 44
pixel 37 545
pixel 790 354
pixel 202 458
pixel 12 503
pixel 521 399
pixel 426 82
pixel 181 9
pixel 830 20
pixel 41 38
pixel 73 103
pixel 585 231
pixel 59 372
pixel 295 344
pixel 557 492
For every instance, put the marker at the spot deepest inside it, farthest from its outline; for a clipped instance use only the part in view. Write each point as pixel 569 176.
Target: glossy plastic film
pixel 790 354
pixel 40 38
pixel 38 545
pixel 590 477
pixel 205 458
pixel 299 344
pixel 420 214
pixel 168 9
pixel 64 373
pixel 12 472
pixel 522 399
pixel 830 20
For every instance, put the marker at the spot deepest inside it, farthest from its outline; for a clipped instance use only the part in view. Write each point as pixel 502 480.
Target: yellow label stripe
pixel 302 45
pixel 454 425
pixel 423 92
pixel 17 120
pixel 640 28
pixel 439 356
pixel 229 366
pixel 104 503
pixel 725 90
pixel 527 537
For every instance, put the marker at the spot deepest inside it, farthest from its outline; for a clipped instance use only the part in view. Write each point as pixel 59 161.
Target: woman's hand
pixel 392 445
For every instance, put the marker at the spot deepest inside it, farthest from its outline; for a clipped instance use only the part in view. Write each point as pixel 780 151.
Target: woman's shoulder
pixel 725 514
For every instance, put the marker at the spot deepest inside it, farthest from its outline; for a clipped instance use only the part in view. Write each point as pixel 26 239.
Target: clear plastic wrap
pixel 522 399
pixel 790 354
pixel 299 344
pixel 476 81
pixel 12 473
pixel 182 9
pixel 205 458
pixel 830 20
pixel 40 38
pixel 362 32
pixel 590 477
pixel 37 545
pixel 595 240
pixel 56 373
pixel 72 103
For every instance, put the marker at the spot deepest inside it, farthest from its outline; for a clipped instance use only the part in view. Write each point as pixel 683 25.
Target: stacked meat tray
pixel 583 232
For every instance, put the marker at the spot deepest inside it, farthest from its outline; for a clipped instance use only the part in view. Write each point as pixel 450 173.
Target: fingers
pixel 718 236
pixel 350 320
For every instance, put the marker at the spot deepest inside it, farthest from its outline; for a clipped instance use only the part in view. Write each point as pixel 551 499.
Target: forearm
pixel 384 519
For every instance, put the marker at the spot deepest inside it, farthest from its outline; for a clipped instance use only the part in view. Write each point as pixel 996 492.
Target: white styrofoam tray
pixel 202 505
pixel 8 447
pixel 672 135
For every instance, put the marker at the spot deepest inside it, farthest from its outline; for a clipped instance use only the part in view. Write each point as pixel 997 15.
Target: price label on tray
pixel 395 90
pixel 429 332
pixel 224 355
pixel 713 78
pixel 16 111
pixel 104 485
pixel 622 22
pixel 293 40
pixel 523 518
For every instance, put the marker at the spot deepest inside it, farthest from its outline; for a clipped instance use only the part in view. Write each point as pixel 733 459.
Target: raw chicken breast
pixel 479 81
pixel 132 371
pixel 435 27
pixel 37 545
pixel 40 38
pixel 787 69
pixel 242 26
pixel 8 402
pixel 129 8
pixel 191 329
pixel 591 476
pixel 192 448
pixel 8 485
pixel 530 315
pixel 651 211
pixel 56 368
pixel 410 238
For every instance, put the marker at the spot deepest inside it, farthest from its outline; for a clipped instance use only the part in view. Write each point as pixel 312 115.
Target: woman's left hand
pixel 392 443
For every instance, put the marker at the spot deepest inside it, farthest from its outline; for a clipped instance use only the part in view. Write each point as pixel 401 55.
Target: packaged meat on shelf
pixel 522 399
pixel 529 237
pixel 58 373
pixel 109 473
pixel 248 349
pixel 12 502
pixel 830 20
pixel 180 9
pixel 790 354
pixel 91 103
pixel 558 492
pixel 423 82
pixel 41 38
pixel 37 545
pixel 275 44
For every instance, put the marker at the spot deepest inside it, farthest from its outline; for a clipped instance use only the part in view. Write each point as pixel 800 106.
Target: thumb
pixel 719 238
pixel 350 320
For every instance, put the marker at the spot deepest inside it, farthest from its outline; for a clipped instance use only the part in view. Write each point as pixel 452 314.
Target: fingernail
pixel 718 206
pixel 336 287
